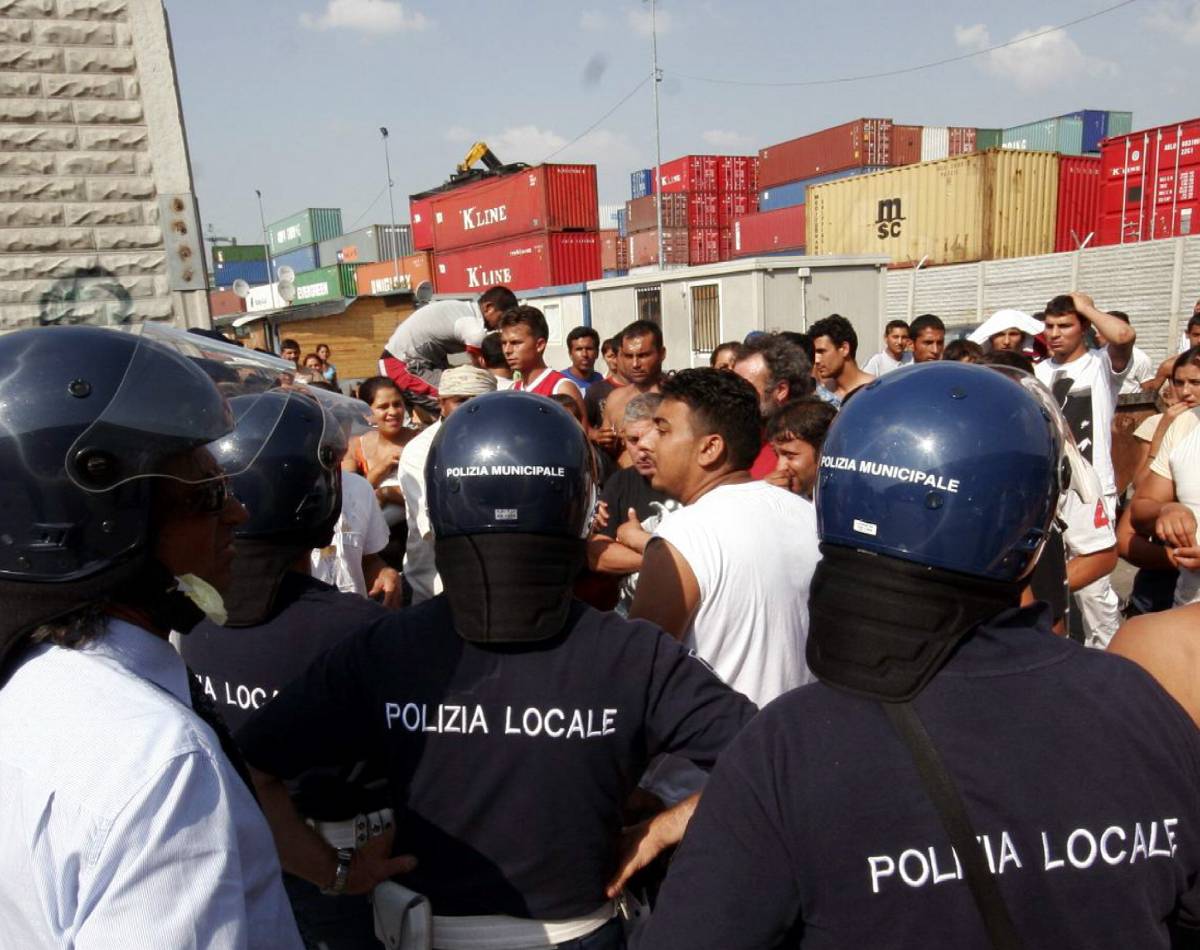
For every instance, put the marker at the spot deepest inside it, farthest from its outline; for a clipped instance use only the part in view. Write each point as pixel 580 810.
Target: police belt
pixel 402 922
pixel 354 832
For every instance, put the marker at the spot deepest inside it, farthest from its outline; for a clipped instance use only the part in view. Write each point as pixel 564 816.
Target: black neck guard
pixel 258 570
pixel 881 627
pixel 509 588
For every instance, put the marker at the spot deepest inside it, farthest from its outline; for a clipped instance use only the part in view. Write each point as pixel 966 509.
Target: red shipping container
pixel 609 242
pixel 690 173
pixel 703 210
pixel 704 246
pixel 737 173
pixel 726 244
pixel 622 253
pixel 1078 200
pixel 420 216
pixel 856 144
pixel 221 303
pixel 544 198
pixel 643 247
pixel 734 205
pixel 769 232
pixel 642 213
pixel 524 262
pixel 962 140
pixel 1148 184
pixel 906 145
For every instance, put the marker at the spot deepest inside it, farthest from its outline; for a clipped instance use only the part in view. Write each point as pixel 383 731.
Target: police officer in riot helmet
pixel 124 820
pixel 959 776
pixel 286 447
pixel 513 720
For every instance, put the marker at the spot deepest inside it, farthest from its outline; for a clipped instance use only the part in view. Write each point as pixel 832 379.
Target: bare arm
pixel 1164 645
pixel 609 556
pixel 1159 379
pixel 1119 334
pixel 382 581
pixel 1085 568
pixel 1155 511
pixel 668 592
pixel 1136 549
pixel 645 841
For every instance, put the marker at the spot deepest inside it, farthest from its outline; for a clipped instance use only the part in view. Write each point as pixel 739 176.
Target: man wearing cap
pixel 458 384
pixel 1011 330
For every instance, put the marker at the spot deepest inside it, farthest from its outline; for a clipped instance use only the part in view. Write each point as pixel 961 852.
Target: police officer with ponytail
pixel 960 776
pixel 513 721
pixel 286 448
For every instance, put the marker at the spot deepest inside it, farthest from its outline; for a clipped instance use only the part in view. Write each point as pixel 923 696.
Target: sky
pixel 287 96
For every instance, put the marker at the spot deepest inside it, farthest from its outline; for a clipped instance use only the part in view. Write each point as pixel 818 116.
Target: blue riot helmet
pixel 511 490
pixel 936 492
pixel 91 420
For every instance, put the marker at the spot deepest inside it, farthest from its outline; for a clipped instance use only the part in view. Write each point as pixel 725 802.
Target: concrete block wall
pixel 91 141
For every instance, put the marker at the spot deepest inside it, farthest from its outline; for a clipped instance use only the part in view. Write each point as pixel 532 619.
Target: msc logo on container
pixel 888 218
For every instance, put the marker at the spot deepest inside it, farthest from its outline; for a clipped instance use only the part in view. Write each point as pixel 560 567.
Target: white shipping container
pixel 608 215
pixel 935 142
pixel 264 297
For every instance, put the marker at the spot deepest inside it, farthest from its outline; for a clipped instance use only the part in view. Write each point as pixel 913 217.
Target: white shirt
pixel 1178 461
pixel 360 530
pixel 437 330
pixel 883 363
pixel 419 566
pixel 1136 371
pixel 122 823
pixel 1091 404
pixel 753 549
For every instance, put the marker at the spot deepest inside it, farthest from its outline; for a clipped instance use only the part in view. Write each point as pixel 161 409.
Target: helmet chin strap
pixel 882 627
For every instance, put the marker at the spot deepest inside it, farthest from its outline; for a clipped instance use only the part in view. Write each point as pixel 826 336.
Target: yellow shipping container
pixel 987 205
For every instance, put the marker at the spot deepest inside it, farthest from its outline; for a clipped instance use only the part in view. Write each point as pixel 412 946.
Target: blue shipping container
pixel 790 194
pixel 300 260
pixel 622 223
pixel 1099 124
pixel 641 183
pixel 226 272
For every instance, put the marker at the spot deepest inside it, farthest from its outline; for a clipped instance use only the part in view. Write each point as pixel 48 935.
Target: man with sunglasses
pixel 125 822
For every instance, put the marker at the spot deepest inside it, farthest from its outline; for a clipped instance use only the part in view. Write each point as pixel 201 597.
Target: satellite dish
pixel 287 290
pixel 241 288
pixel 283 272
pixel 424 292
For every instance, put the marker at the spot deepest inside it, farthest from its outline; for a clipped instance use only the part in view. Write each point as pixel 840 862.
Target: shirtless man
pixel 1165 646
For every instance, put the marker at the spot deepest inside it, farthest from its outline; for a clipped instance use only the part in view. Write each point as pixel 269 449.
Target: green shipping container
pixel 1064 134
pixel 326 283
pixel 988 138
pixel 238 252
pixel 310 226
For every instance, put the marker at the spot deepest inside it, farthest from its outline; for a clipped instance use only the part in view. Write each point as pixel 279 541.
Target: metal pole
pixel 657 77
pixel 387 161
pixel 266 241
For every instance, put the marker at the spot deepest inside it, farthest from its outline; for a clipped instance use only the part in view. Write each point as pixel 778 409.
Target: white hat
pixel 1003 320
pixel 466 381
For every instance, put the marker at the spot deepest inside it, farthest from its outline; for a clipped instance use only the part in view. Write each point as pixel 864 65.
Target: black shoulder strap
pixel 940 787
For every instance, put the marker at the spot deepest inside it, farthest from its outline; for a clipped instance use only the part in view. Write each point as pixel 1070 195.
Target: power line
pixel 368 208
pixel 591 127
pixel 912 69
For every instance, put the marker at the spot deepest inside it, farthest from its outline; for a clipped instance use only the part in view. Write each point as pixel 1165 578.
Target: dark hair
pixel 785 361
pixel 313 355
pixel 724 404
pixel 956 350
pixel 368 388
pixel 802 340
pixel 806 419
pixel 499 297
pixel 1007 358
pixel 895 325
pixel 493 353
pixel 732 345
pixel 1063 306
pixel 838 329
pixel 580 332
pixel 1193 321
pixel 1120 315
pixel 326 345
pixel 526 316
pixel 926 321
pixel 568 403
pixel 642 328
pixel 1189 357
pixel 612 343
pixel 289 344
pixel 323 384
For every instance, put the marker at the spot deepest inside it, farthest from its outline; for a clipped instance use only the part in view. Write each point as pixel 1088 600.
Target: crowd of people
pixel 487 655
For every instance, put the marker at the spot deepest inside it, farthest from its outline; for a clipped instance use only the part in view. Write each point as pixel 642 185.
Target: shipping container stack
pixel 232 262
pixel 295 243
pixel 701 196
pixel 538 227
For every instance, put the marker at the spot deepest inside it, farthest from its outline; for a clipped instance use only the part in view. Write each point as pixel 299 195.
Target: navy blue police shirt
pixel 509 764
pixel 242 668
pixel 1080 776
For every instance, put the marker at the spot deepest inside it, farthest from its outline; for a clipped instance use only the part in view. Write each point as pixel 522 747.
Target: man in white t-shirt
pixel 1167 503
pixel 1085 383
pixel 895 352
pixel 418 351
pixel 458 385
pixel 728 574
pixel 351 562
